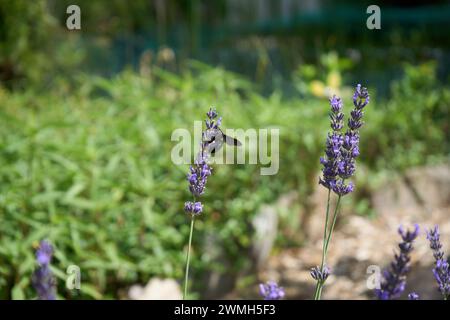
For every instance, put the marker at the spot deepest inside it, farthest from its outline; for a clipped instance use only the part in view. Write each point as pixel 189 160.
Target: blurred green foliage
pixel 413 125
pixel 87 165
pixel 31 52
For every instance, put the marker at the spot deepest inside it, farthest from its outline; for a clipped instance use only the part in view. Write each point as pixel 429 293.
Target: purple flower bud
pixel 320 275
pixel 271 291
pixel 336 104
pixel 336 115
pixel 340 188
pixel 212 113
pixel 361 97
pixel 192 178
pixel 409 236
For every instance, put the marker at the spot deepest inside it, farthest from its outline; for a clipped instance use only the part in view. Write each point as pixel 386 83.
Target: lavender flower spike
pixel 350 147
pixel 394 279
pixel 336 115
pixel 42 279
pixel 338 165
pixel 441 270
pixel 333 145
pixel 342 149
pixel 200 171
pixel 271 291
pixel 197 178
pixel 435 243
pixel 361 97
pixel 198 175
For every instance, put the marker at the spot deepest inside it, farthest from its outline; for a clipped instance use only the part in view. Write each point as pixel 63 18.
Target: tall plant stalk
pixel 197 178
pixel 188 256
pixel 338 165
pixel 326 242
pixel 323 244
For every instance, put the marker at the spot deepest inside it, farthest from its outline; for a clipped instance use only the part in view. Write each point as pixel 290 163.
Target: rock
pixel 265 224
pixel 216 284
pixel 431 185
pixel 156 289
pixel 419 190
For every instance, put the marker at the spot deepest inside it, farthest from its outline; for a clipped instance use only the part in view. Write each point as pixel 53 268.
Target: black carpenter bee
pixel 214 139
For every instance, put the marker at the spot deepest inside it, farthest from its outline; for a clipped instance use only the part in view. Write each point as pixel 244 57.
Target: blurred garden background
pixel 86 118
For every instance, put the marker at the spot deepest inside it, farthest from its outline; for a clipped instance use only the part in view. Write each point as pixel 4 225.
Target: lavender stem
pixel 320 284
pixel 197 178
pixel 188 256
pixel 336 212
pixel 324 240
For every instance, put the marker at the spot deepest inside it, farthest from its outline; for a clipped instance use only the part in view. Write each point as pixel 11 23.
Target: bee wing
pixel 214 146
pixel 232 141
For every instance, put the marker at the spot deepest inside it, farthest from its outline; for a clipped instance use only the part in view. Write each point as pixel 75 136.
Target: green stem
pixel 323 244
pixel 320 284
pixel 336 212
pixel 186 277
pixel 325 231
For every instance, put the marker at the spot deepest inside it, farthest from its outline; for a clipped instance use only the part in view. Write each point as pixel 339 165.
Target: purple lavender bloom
pixel 271 291
pixel 42 279
pixel 331 161
pixel 361 97
pixel 351 138
pixel 394 279
pixel 44 253
pixel 212 113
pixel 211 123
pixel 433 236
pixel 320 275
pixel 413 296
pixel 340 188
pixel 193 208
pixel 350 150
pixel 336 115
pixel 333 144
pixel 198 175
pixel 200 171
pixel 342 149
pixel 441 271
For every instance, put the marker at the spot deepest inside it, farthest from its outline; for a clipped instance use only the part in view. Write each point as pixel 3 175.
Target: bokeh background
pixel 86 118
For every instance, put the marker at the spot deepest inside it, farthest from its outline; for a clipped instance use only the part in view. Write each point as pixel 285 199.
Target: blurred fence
pixel 282 43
